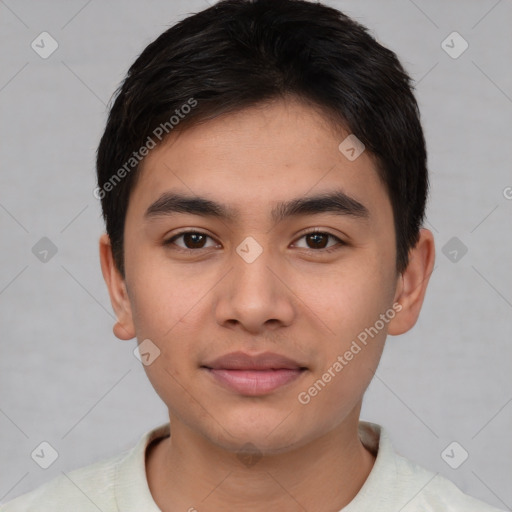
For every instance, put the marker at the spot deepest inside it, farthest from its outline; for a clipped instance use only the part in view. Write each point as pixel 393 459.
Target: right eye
pixel 193 239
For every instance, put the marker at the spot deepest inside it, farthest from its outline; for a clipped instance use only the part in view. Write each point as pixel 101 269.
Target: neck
pixel 187 472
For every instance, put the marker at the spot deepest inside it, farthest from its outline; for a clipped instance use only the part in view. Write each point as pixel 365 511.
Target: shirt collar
pixel 133 494
pixel 382 477
pixel 131 485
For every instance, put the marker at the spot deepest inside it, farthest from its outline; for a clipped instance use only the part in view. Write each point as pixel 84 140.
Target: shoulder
pixel 112 484
pixel 90 488
pixel 397 483
pixel 429 492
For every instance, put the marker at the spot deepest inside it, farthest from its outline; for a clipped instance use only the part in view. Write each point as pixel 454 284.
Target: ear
pixel 124 328
pixel 412 284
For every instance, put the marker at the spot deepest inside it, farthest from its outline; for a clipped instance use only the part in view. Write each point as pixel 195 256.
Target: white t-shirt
pixel 119 484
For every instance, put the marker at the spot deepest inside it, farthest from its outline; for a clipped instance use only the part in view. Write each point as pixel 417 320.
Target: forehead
pixel 257 158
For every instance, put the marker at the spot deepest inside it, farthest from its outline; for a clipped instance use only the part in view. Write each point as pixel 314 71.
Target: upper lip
pixel 243 361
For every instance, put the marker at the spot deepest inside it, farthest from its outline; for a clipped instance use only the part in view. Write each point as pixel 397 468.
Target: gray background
pixel 65 378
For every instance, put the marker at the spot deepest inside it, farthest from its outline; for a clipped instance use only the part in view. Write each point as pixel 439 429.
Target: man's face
pixel 258 284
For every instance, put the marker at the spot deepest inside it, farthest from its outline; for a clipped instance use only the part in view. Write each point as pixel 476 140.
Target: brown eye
pixel 317 241
pixel 192 240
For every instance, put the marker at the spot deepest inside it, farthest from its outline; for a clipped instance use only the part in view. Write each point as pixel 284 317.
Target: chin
pixel 271 432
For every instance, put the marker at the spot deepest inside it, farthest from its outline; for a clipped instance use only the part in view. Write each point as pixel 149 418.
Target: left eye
pixel 196 240
pixel 320 238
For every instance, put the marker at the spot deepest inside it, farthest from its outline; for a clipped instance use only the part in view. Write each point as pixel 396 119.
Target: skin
pixel 294 299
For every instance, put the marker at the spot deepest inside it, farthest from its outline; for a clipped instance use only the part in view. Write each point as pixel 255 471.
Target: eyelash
pixel 336 247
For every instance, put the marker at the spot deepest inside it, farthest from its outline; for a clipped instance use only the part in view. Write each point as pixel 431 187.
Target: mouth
pixel 255 382
pixel 254 375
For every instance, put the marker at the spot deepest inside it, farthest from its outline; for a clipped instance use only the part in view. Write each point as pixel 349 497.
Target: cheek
pixel 347 299
pixel 163 301
pixel 346 367
pixel 164 314
pixel 350 308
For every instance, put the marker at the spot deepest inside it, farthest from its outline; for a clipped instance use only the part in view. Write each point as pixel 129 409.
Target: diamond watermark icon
pixel 44 250
pixel 351 147
pixel 454 249
pixel 44 455
pixel 249 249
pixel 44 45
pixel 454 455
pixel 249 455
pixel 146 352
pixel 454 45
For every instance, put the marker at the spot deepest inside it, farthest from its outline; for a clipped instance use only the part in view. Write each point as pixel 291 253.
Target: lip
pixel 254 375
pixel 255 382
pixel 244 361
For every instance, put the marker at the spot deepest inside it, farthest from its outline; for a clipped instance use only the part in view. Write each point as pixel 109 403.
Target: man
pixel 263 180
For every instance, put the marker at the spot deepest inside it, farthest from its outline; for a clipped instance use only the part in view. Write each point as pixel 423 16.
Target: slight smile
pixel 254 375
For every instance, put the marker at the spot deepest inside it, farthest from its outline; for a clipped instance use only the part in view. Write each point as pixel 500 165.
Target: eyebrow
pixel 337 202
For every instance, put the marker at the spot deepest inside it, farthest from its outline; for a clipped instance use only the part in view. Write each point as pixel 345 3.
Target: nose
pixel 254 295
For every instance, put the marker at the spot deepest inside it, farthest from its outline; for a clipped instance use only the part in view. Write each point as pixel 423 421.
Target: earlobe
pixel 413 283
pixel 124 328
pixel 120 332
